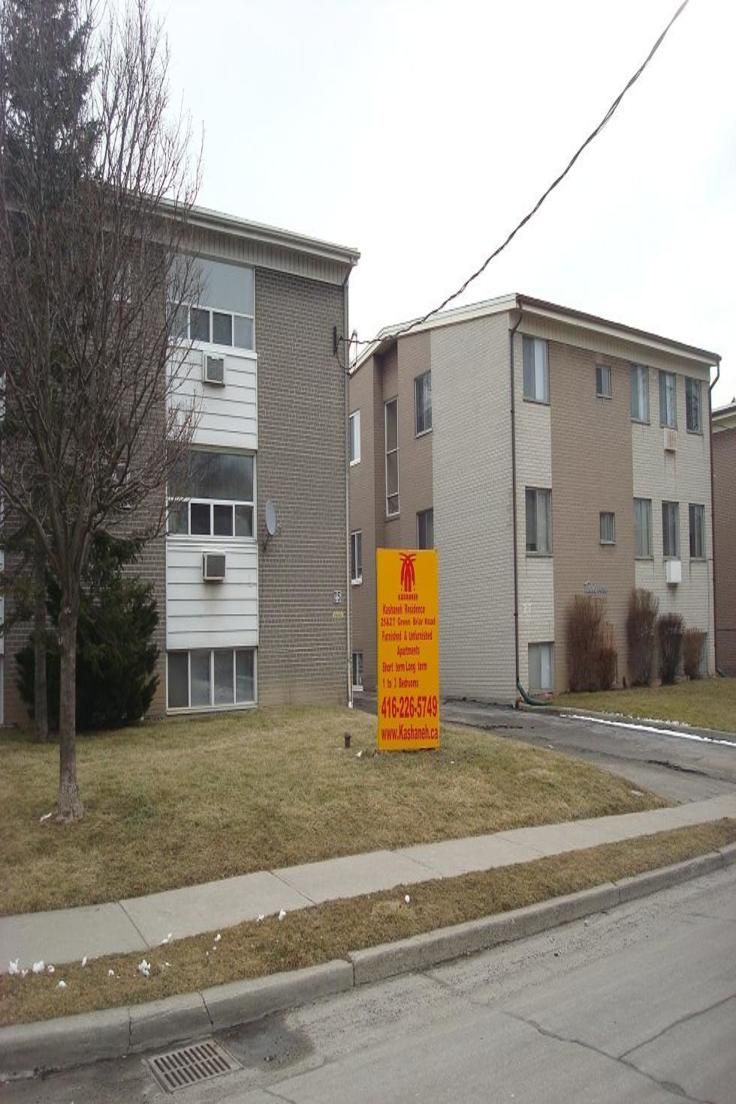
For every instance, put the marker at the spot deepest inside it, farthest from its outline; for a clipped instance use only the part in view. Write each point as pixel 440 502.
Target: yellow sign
pixel 408 672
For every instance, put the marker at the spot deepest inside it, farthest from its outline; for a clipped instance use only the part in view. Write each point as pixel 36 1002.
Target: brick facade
pixel 724 524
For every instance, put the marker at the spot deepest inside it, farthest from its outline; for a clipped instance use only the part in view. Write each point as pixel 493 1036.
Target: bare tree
pixel 96 186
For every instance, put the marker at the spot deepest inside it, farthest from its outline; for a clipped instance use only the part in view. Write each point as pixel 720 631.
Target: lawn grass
pixel 703 703
pixel 329 931
pixel 187 801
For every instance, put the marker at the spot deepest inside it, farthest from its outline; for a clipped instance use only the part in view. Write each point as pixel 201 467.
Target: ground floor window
pixel 540 666
pixel 210 677
pixel 357 670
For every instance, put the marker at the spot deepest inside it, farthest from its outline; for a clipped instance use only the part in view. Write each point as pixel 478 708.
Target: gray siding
pixel 303 648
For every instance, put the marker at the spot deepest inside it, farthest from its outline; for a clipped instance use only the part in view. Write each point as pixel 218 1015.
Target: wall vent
pixel 214 370
pixel 213 566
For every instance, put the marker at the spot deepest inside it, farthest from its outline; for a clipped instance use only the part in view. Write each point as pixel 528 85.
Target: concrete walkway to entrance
pixel 140 923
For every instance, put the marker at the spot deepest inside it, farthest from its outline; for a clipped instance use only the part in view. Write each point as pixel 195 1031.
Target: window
pixel 603 381
pixel 668 399
pixel 391 411
pixel 693 415
pixel 536 369
pixel 643 528
pixel 215 493
pixel 696 517
pixel 671 529
pixel 211 678
pixel 608 528
pixel 423 403
pixel 425 529
pixel 540 667
pixel 225 311
pixel 538 521
pixel 356 556
pixel 357 670
pixel 354 437
pixel 639 393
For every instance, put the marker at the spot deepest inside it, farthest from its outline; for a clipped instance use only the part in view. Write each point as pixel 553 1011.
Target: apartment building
pixel 247 616
pixel 724 534
pixel 545 453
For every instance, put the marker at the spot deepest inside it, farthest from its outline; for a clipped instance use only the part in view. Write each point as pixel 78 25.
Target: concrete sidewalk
pixel 140 923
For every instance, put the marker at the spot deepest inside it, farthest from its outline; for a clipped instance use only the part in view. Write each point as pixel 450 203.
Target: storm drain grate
pixel 178 1069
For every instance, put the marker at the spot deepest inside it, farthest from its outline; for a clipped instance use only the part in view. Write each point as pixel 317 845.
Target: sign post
pixel 407 676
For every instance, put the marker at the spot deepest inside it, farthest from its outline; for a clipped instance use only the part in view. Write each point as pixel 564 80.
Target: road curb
pixel 27 1049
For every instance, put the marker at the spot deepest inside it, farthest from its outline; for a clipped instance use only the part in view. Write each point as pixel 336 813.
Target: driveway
pixel 670 763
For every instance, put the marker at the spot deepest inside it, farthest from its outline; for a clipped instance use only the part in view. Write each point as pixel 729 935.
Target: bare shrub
pixel 670 631
pixel 693 642
pixel 591 657
pixel 641 625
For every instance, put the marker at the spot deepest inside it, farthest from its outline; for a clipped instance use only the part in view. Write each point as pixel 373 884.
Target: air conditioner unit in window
pixel 673 571
pixel 213 567
pixel 214 370
pixel 670 440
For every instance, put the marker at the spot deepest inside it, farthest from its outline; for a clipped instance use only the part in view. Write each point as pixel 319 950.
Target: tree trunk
pixel 40 701
pixel 70 805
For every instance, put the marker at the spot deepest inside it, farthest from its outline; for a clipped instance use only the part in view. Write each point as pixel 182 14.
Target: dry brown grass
pixel 703 703
pixel 183 802
pixel 315 935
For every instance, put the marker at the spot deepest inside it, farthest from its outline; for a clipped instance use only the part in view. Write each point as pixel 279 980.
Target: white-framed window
pixel 357 665
pixel 425 529
pixel 538 521
pixel 607 524
pixel 211 678
pixel 354 436
pixel 696 519
pixel 212 494
pixel 671 530
pixel 224 313
pixel 693 406
pixel 643 528
pixel 603 381
pixel 668 399
pixel 536 369
pixel 639 393
pixel 423 403
pixel 356 557
pixel 391 437
pixel 541 669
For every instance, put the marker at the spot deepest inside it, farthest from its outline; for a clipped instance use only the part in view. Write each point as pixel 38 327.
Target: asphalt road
pixel 635 1006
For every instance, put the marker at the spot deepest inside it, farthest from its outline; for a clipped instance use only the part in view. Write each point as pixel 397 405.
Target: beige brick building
pixel 545 453
pixel 724 531
pixel 244 619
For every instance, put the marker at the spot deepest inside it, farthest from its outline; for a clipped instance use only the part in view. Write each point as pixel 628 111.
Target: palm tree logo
pixel 408 574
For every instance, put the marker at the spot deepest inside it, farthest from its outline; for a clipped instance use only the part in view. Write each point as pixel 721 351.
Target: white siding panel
pixel 471 466
pixel 227 416
pixel 203 615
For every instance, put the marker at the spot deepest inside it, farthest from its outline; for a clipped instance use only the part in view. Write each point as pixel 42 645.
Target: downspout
pixel 713 514
pixel 527 699
pixel 348 587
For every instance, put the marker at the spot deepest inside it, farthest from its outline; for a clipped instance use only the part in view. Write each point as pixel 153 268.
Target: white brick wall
pixel 471 461
pixel 533 469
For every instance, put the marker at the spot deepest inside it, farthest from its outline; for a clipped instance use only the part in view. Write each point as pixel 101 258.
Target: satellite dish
pixel 271 520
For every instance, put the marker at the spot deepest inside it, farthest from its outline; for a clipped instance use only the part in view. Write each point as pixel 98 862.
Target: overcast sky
pixel 420 131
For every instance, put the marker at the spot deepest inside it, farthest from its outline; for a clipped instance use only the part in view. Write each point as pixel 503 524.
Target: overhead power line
pixel 545 195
